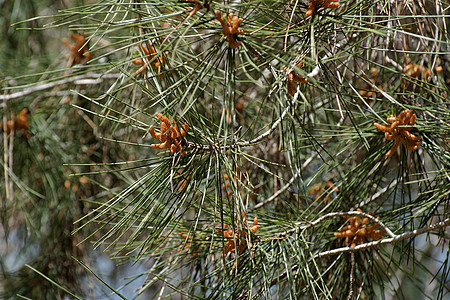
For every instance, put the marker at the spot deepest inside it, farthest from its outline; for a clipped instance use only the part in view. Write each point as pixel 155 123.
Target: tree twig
pixel 316 69
pixel 376 195
pixel 268 132
pixel 85 79
pixel 291 181
pixel 396 238
pixel 340 214
pixel 352 275
pixel 251 142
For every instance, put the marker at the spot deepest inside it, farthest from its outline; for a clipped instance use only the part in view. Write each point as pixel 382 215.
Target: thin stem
pixel 352 275
pixel 292 180
pixel 256 140
pixel 6 154
pixel 316 69
pixel 377 194
pixel 268 132
pixel 340 214
pixel 396 238
pixel 391 240
pixel 85 79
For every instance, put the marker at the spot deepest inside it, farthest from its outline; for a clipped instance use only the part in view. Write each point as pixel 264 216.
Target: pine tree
pixel 239 149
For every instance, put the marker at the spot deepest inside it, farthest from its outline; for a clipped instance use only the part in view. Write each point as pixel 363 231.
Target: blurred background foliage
pixel 40 201
pixel 86 186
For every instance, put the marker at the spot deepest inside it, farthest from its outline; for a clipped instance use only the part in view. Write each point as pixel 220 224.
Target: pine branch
pixel 249 143
pixel 352 276
pixel 377 194
pixel 251 132
pixel 85 79
pixel 296 175
pixel 394 239
pixel 339 214
pixel 290 182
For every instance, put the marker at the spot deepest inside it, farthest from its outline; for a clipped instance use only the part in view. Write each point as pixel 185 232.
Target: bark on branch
pixel 85 79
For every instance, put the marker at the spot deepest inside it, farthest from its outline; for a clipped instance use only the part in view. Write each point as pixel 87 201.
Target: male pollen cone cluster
pixel 316 4
pixel 148 53
pixel 79 50
pixel 323 191
pixel 170 135
pixel 399 131
pixel 369 91
pixel 240 177
pixel 357 232
pixel 230 29
pixel 417 71
pixel 294 79
pixel 195 251
pixel 18 123
pixel 238 240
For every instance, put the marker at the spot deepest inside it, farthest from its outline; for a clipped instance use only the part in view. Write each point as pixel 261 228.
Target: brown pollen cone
pixel 294 79
pixel 399 131
pixel 230 28
pixel 170 135
pixel 18 123
pixel 357 232
pixel 79 50
pixel 316 4
pixel 237 240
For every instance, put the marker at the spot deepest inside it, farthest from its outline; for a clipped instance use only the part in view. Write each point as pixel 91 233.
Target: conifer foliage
pixel 278 129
